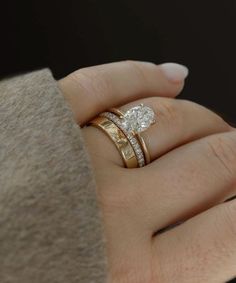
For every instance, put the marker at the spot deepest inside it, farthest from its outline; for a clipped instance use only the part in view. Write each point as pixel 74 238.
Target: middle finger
pixel 188 180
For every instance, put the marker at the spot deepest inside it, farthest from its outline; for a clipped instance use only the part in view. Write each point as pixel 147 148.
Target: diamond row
pixel 135 144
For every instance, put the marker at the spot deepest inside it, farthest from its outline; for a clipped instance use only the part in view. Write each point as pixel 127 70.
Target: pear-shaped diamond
pixel 138 118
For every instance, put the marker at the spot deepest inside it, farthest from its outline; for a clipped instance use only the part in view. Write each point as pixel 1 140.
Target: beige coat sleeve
pixel 51 228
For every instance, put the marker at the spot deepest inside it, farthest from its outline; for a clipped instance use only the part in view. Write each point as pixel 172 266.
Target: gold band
pixel 144 148
pixel 139 137
pixel 116 111
pixel 118 137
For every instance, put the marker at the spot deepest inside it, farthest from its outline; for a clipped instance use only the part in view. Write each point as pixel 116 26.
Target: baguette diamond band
pixel 130 137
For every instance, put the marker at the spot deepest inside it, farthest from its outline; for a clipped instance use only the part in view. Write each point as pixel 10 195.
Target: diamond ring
pixel 132 123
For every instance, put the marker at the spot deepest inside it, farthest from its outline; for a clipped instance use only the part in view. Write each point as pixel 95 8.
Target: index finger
pixel 94 89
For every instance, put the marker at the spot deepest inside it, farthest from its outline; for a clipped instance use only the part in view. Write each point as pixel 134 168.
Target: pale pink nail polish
pixel 174 72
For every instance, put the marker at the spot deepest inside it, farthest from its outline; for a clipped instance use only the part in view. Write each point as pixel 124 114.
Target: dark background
pixel 67 35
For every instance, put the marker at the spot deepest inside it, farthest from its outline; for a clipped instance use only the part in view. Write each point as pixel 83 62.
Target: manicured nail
pixel 175 72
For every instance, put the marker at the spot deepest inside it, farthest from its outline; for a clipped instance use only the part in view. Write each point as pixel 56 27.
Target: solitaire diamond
pixel 138 118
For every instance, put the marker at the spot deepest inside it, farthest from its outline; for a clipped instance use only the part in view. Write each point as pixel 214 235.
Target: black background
pixel 67 35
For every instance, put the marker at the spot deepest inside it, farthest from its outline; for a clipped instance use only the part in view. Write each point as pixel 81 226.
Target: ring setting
pixel 137 119
pixel 133 122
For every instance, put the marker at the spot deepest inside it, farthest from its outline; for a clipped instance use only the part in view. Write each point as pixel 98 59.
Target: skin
pixel 192 174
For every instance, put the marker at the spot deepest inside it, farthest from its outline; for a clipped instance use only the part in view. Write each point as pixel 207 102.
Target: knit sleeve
pixel 51 228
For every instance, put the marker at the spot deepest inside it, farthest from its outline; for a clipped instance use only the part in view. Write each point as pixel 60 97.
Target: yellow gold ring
pixel 118 137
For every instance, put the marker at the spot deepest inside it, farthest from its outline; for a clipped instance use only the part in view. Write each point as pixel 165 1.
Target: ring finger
pixel 176 124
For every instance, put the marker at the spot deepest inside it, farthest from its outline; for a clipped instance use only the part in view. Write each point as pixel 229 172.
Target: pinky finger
pixel 202 249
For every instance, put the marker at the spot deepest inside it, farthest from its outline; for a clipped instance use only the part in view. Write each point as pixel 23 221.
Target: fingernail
pixel 175 72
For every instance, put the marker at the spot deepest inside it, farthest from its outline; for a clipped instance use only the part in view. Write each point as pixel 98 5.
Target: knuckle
pixel 139 69
pixel 220 121
pixel 169 114
pixel 223 148
pixel 83 79
pixel 213 117
pixel 92 82
pixel 191 105
pixel 123 199
pixel 136 63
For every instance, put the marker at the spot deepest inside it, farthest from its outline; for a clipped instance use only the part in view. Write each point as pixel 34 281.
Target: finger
pixel 188 180
pixel 176 125
pixel 94 89
pixel 203 249
pixel 177 122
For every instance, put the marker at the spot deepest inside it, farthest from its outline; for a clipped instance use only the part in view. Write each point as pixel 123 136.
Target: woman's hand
pixel 193 171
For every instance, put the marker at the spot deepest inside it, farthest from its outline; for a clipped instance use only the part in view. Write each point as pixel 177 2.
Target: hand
pixel 192 174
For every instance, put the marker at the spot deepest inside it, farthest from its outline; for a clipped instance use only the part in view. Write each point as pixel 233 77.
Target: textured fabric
pixel 51 228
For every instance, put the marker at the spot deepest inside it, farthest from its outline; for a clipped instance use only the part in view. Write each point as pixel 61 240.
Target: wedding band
pixel 118 137
pixel 144 148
